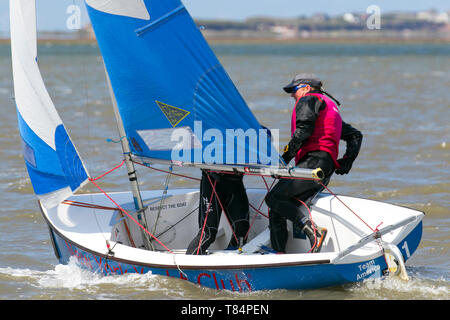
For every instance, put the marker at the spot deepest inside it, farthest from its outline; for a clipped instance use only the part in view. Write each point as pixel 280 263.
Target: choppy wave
pixel 404 159
pixel 73 282
pixel 393 288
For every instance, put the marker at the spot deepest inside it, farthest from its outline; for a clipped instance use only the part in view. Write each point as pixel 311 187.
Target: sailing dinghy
pixel 165 80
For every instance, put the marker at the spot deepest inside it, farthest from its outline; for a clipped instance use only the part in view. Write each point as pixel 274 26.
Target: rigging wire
pixel 223 209
pixel 374 230
pixel 88 124
pixel 163 198
pixel 176 223
pixel 214 193
pixel 206 217
pixel 147 165
pixel 92 180
pixel 161 202
pixel 129 216
pixel 169 174
pixel 257 210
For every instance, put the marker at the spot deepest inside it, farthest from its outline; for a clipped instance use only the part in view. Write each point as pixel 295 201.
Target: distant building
pixel 284 32
pixel 433 16
pixel 350 18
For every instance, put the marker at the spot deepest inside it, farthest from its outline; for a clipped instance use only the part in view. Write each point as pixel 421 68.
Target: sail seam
pixel 160 20
pixel 197 85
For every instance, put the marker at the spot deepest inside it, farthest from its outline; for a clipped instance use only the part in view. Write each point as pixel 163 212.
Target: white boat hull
pixel 81 232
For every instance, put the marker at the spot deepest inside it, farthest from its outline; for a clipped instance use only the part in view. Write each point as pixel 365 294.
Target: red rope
pixel 160 170
pixel 373 230
pixel 258 211
pixel 260 205
pixel 97 207
pixel 87 205
pixel 116 167
pixel 206 218
pixel 121 209
pixel 312 223
pixel 129 216
pixel 268 190
pixel 221 206
pixel 220 203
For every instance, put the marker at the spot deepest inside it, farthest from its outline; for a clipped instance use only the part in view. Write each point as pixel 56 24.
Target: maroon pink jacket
pixel 326 133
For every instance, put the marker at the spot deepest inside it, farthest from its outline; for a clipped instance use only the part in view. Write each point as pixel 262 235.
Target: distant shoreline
pixel 225 40
pixel 342 40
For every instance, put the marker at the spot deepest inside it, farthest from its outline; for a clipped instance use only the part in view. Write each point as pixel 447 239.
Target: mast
pixel 139 205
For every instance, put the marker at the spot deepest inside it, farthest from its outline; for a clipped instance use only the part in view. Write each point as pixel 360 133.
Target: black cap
pixel 303 78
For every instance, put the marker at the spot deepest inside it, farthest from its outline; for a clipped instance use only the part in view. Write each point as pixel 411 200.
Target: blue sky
pixel 52 13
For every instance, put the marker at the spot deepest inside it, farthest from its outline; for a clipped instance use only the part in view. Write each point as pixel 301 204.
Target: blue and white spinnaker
pixel 53 164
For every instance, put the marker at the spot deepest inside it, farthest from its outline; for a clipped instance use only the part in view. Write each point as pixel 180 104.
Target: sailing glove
pixel 346 165
pixel 287 154
pixel 286 157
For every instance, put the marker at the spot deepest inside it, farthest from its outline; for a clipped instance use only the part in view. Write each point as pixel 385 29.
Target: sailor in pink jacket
pixel 316 129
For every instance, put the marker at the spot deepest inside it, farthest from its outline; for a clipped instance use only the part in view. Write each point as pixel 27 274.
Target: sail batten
pixel 52 161
pixel 167 16
pixel 166 77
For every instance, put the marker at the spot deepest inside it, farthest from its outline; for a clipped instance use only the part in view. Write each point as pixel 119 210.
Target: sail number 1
pixel 405 247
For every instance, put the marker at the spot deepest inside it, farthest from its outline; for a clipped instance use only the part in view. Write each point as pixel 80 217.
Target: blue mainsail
pixel 53 164
pixel 175 99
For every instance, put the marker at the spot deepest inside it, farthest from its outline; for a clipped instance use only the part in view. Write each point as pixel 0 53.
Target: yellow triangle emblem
pixel 173 114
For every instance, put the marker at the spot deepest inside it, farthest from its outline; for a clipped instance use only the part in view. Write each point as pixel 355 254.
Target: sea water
pixel 396 94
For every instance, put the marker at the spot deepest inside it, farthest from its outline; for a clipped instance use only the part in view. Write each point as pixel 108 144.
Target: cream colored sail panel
pixel 32 98
pixel 52 161
pixel 127 8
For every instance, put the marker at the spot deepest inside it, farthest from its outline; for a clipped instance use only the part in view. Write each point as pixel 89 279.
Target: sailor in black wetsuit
pixel 233 197
pixel 316 129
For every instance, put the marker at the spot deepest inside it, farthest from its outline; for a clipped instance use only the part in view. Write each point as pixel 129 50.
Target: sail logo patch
pixel 173 114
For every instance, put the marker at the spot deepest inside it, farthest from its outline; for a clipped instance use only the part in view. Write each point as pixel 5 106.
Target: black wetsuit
pixel 233 197
pixel 283 198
